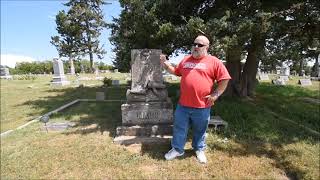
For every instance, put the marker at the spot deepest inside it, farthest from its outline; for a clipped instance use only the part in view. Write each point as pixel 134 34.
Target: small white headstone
pixel 279 82
pixel 264 77
pixel 305 82
pixel 217 122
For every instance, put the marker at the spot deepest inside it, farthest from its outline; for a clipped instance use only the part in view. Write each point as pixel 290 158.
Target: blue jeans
pixel 198 118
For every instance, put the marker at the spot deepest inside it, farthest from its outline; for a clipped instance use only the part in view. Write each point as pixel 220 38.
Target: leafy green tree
pixel 236 29
pixel 37 67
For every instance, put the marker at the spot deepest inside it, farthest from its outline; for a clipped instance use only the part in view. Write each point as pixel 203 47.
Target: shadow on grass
pixel 262 134
pixel 91 116
pixel 257 132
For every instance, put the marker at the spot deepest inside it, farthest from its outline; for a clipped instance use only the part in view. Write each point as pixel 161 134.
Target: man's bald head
pixel 202 40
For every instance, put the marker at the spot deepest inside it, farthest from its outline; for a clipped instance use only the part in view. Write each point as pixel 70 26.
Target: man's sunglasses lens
pixel 197 45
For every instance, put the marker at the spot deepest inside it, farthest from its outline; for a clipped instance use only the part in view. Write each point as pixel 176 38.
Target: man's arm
pixel 222 85
pixel 166 65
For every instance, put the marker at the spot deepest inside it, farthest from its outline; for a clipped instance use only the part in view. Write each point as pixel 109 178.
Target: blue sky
pixel 27 27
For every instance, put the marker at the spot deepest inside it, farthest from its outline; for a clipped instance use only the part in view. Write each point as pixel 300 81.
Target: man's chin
pixel 196 56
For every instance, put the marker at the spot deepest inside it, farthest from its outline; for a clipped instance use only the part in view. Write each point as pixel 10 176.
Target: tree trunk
pixel 301 67
pixel 233 57
pixel 91 60
pixel 315 68
pixel 248 77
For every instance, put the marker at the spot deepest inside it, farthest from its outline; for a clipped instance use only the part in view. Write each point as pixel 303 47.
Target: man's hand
pixel 163 60
pixel 211 98
pixel 166 64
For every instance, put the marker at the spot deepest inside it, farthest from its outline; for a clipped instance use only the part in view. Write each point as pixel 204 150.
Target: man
pixel 198 73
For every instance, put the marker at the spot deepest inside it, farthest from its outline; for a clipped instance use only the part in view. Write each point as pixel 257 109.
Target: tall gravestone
pixel 72 69
pixel 148 111
pixel 59 79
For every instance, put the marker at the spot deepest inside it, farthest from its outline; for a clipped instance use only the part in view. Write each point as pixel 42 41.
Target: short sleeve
pixel 221 72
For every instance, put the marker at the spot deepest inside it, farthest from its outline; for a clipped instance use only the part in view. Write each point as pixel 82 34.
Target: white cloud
pixel 10 60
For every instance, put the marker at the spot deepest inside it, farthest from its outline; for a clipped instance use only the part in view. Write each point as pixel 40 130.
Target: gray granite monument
pixel 4 73
pixel 148 111
pixel 59 79
pixel 264 77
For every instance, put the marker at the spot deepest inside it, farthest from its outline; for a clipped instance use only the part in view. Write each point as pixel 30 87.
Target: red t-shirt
pixel 197 79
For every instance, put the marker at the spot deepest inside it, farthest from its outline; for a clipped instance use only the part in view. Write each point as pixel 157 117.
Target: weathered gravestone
pixel 96 71
pixel 280 82
pixel 305 82
pixel 148 112
pixel 59 79
pixel 263 77
pixel 4 73
pixel 285 70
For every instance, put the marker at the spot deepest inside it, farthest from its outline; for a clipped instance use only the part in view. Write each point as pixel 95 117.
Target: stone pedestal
pixel 147 117
pixel 147 113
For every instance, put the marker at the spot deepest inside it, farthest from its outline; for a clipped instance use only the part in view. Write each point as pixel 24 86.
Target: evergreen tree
pixel 80 29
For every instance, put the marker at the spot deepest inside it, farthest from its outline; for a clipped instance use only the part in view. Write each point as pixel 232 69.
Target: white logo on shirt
pixel 190 65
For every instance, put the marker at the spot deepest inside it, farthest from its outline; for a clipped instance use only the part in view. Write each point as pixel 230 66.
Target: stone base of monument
pixel 144 130
pixel 6 77
pixel 147 113
pixel 145 123
pixel 143 134
pixel 60 81
pixel 129 140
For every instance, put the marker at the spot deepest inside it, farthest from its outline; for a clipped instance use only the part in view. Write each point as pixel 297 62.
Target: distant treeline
pixel 46 67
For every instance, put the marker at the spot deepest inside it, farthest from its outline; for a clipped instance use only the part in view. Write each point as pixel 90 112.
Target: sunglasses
pixel 198 45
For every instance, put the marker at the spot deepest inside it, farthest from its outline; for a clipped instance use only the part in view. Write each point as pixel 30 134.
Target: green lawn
pixel 256 145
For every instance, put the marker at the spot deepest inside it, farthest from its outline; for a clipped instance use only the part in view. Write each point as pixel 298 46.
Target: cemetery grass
pixel 256 145
pixel 18 97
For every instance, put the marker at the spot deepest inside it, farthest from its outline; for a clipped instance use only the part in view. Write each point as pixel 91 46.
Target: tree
pixel 70 34
pixel 80 28
pixel 236 29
